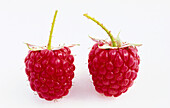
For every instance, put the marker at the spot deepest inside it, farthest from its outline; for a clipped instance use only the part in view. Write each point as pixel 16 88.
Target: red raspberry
pixel 113 65
pixel 113 70
pixel 50 71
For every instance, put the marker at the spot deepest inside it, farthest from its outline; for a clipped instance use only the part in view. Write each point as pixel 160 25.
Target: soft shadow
pixel 82 87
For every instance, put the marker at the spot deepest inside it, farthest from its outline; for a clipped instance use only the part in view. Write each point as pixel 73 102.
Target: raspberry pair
pixel 113 66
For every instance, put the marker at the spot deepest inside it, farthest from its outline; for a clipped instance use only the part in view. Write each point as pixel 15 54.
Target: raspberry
pixel 114 74
pixel 50 75
pixel 50 71
pixel 113 65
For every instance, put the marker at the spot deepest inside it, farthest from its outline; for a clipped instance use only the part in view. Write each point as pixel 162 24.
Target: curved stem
pixel 51 32
pixel 104 28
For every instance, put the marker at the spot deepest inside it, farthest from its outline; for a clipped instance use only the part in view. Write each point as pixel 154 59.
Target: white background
pixel 145 21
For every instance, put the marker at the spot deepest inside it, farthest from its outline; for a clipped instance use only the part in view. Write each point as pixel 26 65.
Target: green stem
pixel 104 28
pixel 51 32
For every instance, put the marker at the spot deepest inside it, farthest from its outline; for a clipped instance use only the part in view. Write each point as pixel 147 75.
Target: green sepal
pixel 119 42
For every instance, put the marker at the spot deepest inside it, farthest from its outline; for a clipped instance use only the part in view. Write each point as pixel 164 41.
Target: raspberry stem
pixel 104 28
pixel 51 32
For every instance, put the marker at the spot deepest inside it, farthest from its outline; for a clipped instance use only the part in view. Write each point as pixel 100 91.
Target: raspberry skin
pixel 113 70
pixel 50 72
